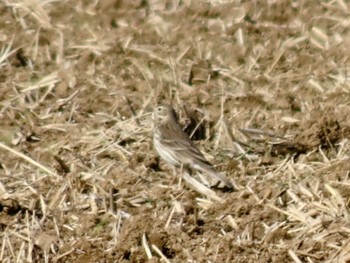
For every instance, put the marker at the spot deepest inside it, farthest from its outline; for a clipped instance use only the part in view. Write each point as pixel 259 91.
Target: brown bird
pixel 176 148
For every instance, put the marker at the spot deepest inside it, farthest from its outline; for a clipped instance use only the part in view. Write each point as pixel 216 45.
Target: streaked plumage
pixel 175 147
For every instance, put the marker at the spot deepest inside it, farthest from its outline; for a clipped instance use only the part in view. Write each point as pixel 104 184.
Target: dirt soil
pixel 265 83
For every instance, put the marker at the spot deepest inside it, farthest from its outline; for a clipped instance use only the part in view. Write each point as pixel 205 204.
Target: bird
pixel 176 148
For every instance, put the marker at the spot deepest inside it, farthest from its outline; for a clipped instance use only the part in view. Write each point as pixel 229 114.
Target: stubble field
pixel 264 83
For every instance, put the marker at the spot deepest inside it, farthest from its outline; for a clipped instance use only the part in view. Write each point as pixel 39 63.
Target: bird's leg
pixel 175 175
pixel 180 177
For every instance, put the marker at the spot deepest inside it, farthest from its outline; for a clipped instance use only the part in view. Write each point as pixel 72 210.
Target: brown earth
pixel 265 80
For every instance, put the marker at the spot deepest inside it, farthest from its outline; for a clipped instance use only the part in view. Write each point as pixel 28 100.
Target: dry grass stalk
pixel 159 252
pixel 29 160
pixel 200 188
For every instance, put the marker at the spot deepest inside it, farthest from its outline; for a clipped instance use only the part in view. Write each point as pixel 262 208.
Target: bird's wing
pixel 177 140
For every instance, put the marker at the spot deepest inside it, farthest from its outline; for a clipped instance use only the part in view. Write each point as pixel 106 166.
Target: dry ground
pixel 267 82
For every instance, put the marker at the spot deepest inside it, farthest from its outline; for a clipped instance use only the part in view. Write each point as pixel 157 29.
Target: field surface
pixel 263 86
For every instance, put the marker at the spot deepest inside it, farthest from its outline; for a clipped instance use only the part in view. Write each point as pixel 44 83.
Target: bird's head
pixel 163 113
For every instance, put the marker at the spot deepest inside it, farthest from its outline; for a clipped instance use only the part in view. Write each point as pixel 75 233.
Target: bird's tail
pixel 215 175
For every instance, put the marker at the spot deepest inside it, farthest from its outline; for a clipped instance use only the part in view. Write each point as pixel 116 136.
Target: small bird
pixel 176 148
